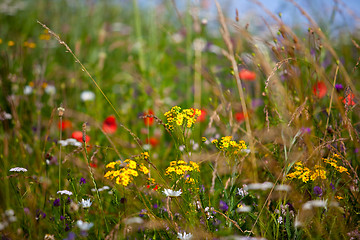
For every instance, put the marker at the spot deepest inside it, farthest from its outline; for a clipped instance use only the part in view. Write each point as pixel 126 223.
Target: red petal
pixel 109 125
pixel 247 75
pixel 240 117
pixel 202 117
pixel 65 124
pixel 149 121
pixel 78 135
pixel 319 89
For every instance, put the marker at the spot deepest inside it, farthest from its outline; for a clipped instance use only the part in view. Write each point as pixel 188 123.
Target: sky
pixel 248 10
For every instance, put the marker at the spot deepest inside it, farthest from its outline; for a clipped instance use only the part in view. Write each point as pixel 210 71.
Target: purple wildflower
pixel 223 206
pixel 56 202
pixel 155 206
pixel 332 186
pixel 305 130
pixel 82 181
pixel 62 217
pixel 339 87
pixel 318 191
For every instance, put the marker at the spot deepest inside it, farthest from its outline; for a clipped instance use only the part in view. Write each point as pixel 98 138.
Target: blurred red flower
pixel 78 135
pixel 349 99
pixel 240 117
pixel 65 124
pixel 149 121
pixel 247 75
pixel 152 141
pixel 109 125
pixel 319 89
pixel 93 165
pixel 202 117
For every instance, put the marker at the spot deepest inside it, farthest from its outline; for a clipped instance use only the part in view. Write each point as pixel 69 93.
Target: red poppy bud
pixel 109 125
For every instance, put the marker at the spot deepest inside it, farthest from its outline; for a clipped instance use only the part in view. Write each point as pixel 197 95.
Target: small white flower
pixel 9 212
pixel 5 116
pixel 50 89
pixel 66 192
pixel 283 187
pixel 184 236
pixel 243 208
pixel 87 96
pixel 259 186
pixel 171 193
pixel 2 225
pixel 177 38
pixel 146 147
pixel 85 203
pixel 134 220
pixel 199 44
pixel 84 226
pixel 18 169
pixel 28 90
pixel 182 148
pixel 242 192
pixel 71 142
pixel 314 203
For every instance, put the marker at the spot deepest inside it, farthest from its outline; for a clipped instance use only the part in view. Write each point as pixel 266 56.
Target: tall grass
pixel 171 131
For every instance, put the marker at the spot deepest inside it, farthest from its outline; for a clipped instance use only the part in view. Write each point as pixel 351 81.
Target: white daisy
pixel 18 169
pixel 184 236
pixel 171 193
pixel 84 226
pixel 85 203
pixel 87 96
pixel 66 192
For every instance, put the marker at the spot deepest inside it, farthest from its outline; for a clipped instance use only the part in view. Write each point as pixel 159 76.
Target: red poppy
pixel 156 187
pixel 65 124
pixel 319 89
pixel 240 117
pixel 109 125
pixel 349 100
pixel 202 116
pixel 78 135
pixel 93 165
pixel 149 121
pixel 247 75
pixel 152 141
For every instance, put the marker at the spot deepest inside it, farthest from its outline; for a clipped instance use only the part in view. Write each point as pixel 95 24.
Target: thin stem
pixel 60 138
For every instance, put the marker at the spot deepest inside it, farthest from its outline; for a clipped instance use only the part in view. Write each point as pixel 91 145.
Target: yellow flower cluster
pixel 29 44
pixel 181 167
pixel 125 175
pixel 186 117
pixel 227 145
pixel 332 161
pixel 305 174
pixel 45 36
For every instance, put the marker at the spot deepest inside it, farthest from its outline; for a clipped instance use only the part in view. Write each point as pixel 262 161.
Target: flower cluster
pixel 305 174
pixel 227 145
pixel 184 117
pixel 125 174
pixel 181 167
pixel 332 161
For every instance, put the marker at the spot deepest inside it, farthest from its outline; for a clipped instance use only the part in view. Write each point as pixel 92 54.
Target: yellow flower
pixel 111 165
pixel 143 169
pixel 11 43
pixel 339 197
pixel 1 41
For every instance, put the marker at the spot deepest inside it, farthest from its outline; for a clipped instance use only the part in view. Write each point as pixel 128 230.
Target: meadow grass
pixel 125 123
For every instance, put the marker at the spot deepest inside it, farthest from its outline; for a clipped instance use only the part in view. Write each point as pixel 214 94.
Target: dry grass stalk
pixel 226 37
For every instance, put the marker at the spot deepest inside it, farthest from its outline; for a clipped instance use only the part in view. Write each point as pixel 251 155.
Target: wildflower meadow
pixel 179 120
